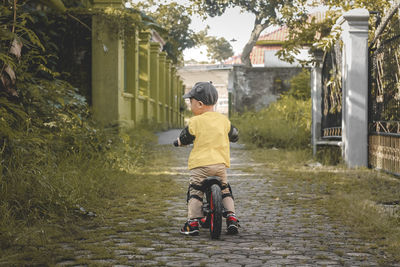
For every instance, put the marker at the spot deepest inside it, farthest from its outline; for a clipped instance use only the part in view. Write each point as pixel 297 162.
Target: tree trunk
pixel 389 14
pixel 255 34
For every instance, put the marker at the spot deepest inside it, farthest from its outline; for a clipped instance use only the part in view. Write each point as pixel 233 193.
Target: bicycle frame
pixel 213 209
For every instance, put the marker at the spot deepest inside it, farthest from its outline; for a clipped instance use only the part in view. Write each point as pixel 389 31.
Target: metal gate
pixel 331 122
pixel 384 100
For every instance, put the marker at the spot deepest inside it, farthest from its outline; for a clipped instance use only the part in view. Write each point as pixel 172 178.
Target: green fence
pixel 132 79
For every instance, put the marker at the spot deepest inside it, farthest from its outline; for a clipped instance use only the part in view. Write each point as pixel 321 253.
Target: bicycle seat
pixel 209 181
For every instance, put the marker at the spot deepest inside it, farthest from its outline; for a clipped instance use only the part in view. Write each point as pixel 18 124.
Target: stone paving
pixel 272 233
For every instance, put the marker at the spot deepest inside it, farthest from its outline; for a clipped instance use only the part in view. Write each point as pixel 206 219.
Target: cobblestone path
pixel 273 232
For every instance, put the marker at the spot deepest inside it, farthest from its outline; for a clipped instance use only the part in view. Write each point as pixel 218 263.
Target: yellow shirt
pixel 211 143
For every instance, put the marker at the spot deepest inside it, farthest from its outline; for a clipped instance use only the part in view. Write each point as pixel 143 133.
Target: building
pixel 217 74
pixel 252 88
pixel 264 52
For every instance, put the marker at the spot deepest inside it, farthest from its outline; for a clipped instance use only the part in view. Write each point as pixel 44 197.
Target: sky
pixel 231 25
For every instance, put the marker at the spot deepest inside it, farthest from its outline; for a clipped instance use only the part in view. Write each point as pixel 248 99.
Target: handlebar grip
pixel 176 143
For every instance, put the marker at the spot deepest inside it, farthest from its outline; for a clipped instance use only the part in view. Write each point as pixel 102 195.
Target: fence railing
pixel 340 91
pixel 384 100
pixel 331 121
pixel 132 79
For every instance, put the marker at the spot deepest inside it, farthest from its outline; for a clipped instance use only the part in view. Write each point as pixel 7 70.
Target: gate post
pixel 107 66
pixel 168 96
pixel 354 24
pixel 316 98
pixel 155 80
pixel 144 73
pixel 162 87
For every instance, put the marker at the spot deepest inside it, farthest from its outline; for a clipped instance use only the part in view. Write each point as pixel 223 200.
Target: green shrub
pixel 54 160
pixel 300 85
pixel 285 124
pixel 49 180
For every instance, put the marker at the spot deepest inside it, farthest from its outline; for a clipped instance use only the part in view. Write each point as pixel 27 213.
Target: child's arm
pixel 233 134
pixel 185 138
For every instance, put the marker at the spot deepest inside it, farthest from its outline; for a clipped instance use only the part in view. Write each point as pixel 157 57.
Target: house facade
pixel 217 74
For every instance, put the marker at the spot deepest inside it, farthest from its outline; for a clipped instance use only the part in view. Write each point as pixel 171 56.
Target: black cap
pixel 204 92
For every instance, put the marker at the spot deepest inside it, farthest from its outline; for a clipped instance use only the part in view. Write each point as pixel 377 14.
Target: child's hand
pixel 177 142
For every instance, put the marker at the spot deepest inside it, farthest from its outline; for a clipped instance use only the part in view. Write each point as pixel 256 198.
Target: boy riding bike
pixel 210 132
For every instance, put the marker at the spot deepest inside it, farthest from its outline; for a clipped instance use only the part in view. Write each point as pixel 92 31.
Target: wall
pixel 132 80
pixel 218 74
pixel 256 88
pixel 354 75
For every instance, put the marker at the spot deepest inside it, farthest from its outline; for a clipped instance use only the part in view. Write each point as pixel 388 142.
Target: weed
pixel 340 253
pixel 321 257
pixel 98 185
pixel 285 124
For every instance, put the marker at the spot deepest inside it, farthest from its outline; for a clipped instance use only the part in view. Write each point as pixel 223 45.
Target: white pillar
pixel 316 97
pixel 354 24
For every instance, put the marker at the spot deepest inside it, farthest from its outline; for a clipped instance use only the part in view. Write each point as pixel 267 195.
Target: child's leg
pixel 227 200
pixel 195 204
pixel 232 222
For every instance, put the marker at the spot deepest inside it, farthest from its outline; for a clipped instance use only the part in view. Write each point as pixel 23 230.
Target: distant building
pixel 252 88
pixel 217 74
pixel 264 52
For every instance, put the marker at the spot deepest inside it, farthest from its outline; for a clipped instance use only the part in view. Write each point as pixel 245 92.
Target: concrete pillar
pixel 168 91
pixel 108 82
pixel 144 72
pixel 316 97
pixel 177 99
pixel 162 87
pixel 174 98
pixel 155 80
pixel 132 74
pixel 354 24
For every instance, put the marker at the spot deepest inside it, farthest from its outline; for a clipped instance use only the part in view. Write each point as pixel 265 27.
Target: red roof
pixel 273 39
pixel 257 54
pixel 278 35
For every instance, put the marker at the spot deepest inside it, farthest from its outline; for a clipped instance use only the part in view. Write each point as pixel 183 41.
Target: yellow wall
pixel 132 81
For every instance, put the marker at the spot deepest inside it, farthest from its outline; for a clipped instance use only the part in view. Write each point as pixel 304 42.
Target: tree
pixel 390 13
pixel 218 49
pixel 306 28
pixel 175 19
pixel 267 12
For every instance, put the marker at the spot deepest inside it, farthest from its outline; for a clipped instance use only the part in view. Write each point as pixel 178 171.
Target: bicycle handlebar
pixel 176 143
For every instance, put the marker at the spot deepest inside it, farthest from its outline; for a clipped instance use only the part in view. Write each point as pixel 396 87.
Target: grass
pixel 284 123
pixel 349 197
pixel 129 211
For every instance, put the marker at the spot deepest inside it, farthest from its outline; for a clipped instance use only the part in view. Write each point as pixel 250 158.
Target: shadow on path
pixel 273 232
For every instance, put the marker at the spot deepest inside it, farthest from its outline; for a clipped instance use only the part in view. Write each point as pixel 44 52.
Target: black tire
pixel 216 208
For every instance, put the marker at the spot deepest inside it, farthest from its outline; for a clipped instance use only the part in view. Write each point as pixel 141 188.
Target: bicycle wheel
pixel 216 211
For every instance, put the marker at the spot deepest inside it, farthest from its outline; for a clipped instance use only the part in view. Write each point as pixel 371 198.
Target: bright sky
pixel 231 25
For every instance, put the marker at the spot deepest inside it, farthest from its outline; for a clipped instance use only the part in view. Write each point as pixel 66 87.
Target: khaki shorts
pixel 197 175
